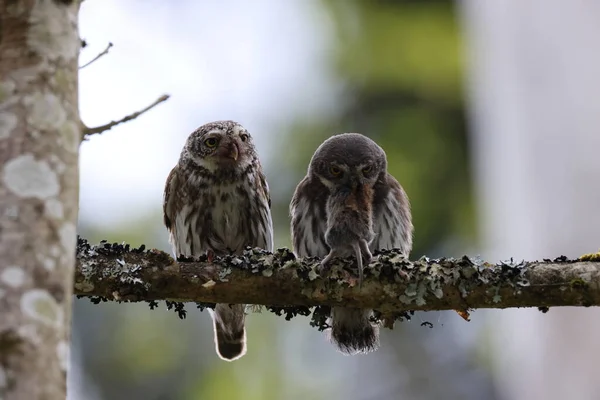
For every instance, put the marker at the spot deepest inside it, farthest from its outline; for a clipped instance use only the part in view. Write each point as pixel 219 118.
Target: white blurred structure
pixel 534 86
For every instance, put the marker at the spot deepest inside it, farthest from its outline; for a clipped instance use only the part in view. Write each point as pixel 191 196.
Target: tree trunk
pixel 39 143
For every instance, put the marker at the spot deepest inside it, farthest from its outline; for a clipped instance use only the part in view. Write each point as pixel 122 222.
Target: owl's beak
pixel 350 186
pixel 356 186
pixel 232 151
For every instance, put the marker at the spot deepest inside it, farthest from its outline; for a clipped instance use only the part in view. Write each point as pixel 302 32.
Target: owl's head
pixel 348 160
pixel 219 145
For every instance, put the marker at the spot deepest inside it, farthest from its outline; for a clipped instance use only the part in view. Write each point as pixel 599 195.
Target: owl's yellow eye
pixel 367 169
pixel 244 137
pixel 335 171
pixel 211 142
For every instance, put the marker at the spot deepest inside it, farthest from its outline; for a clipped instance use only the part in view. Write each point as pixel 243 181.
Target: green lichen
pixel 7 88
pixel 158 257
pixel 268 272
pixel 223 273
pixel 3 93
pixel 578 283
pixel 40 306
pixel 590 257
pixel 70 136
pixel 63 79
pixel 389 290
pixel 84 286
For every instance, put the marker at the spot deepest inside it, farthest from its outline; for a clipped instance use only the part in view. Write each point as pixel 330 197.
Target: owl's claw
pixel 325 263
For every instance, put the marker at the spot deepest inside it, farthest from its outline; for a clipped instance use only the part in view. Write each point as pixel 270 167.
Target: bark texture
pixel 39 142
pixel 392 284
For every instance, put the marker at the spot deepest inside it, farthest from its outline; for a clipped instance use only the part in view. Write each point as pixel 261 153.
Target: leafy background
pixel 293 73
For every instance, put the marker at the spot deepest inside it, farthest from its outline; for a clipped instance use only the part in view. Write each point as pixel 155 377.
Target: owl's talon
pixel 325 263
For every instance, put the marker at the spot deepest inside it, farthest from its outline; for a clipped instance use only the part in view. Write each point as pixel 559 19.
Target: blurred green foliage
pixel 400 66
pixel 400 63
pixel 399 45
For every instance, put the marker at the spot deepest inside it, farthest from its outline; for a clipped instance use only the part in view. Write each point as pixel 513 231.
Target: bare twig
pixel 103 53
pixel 392 284
pixel 99 129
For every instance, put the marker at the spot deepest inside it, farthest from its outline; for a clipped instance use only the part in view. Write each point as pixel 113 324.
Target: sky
pixel 260 63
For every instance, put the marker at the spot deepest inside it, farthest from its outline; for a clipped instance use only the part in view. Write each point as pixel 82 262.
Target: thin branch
pixel 103 53
pixel 99 129
pixel 392 284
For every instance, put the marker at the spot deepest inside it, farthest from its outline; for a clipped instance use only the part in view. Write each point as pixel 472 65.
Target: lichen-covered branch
pixel 392 284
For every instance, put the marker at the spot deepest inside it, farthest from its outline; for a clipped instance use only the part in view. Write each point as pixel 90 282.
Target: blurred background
pixel 488 113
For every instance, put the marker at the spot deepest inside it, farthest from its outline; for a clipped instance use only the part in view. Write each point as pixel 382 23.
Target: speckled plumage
pixel 217 201
pixel 361 206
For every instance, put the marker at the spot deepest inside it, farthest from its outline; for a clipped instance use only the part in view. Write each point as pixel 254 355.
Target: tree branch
pixel 103 53
pixel 99 129
pixel 392 284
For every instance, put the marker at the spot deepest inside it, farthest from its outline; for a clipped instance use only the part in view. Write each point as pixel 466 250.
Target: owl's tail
pixel 230 332
pixel 352 331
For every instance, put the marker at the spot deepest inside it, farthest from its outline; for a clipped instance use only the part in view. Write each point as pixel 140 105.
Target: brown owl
pixel 349 205
pixel 217 202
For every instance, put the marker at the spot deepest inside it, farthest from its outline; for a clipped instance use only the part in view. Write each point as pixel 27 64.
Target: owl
pixel 217 202
pixel 349 205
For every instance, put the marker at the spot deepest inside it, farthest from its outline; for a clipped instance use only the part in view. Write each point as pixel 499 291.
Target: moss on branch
pixel 392 285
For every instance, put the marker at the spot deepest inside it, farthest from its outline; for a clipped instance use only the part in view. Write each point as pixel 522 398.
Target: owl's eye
pixel 244 137
pixel 211 142
pixel 335 171
pixel 367 169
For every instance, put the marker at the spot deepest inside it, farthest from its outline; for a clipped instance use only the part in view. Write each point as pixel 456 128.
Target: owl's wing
pixel 169 199
pixel 392 217
pixel 172 202
pixel 265 235
pixel 265 188
pixel 168 206
pixel 309 219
